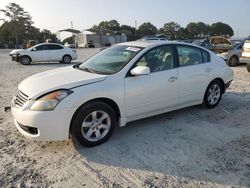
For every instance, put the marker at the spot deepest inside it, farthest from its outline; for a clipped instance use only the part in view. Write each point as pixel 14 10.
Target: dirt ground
pixel 192 147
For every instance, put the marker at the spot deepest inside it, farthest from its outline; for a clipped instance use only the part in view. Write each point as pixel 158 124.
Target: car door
pixel 195 71
pixel 40 53
pixel 147 94
pixel 56 52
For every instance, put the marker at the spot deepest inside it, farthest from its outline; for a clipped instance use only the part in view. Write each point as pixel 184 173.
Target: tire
pixel 233 61
pixel 66 59
pixel 213 94
pixel 248 67
pixel 25 60
pixel 93 124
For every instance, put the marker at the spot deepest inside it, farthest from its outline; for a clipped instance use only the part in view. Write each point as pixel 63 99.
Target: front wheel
pixel 248 67
pixel 93 124
pixel 66 59
pixel 25 60
pixel 213 94
pixel 233 61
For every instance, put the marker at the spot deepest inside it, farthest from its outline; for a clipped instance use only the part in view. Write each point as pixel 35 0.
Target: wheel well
pixel 25 56
pixel 222 84
pixel 67 55
pixel 234 56
pixel 109 102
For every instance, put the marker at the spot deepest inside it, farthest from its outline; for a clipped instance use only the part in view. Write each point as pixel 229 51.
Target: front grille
pixel 20 99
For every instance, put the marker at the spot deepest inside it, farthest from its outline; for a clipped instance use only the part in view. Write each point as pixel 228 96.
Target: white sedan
pixel 123 83
pixel 44 52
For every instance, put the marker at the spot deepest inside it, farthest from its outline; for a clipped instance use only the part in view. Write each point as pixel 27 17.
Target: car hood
pixel 224 55
pixel 61 78
pixel 16 51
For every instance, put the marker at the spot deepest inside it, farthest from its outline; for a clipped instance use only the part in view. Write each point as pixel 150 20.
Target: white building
pixel 83 39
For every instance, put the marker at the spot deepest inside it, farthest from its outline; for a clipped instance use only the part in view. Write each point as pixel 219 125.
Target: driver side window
pixel 158 59
pixel 39 48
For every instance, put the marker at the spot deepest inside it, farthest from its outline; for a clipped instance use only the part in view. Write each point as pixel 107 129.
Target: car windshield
pixel 110 60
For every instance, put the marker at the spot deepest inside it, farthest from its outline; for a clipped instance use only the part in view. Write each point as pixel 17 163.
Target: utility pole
pixel 73 36
pixel 136 28
pixel 15 29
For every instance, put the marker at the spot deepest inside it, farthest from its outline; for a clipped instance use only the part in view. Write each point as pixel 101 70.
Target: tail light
pixel 74 51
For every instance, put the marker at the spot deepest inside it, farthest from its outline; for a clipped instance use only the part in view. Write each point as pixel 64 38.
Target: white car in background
pixel 44 52
pixel 120 84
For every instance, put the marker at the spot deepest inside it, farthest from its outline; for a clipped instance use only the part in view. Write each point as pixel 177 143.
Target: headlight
pixel 49 101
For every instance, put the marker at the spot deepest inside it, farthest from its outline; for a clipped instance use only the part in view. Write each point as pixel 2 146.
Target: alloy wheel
pixel 25 60
pixel 96 125
pixel 214 94
pixel 66 59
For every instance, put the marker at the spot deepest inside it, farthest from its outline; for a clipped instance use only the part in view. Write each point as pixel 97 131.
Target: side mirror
pixel 140 70
pixel 33 49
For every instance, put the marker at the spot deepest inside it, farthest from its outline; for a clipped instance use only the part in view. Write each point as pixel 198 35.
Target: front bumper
pixel 245 59
pixel 74 56
pixel 227 85
pixel 43 125
pixel 15 57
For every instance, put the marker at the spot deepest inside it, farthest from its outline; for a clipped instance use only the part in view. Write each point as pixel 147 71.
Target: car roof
pixel 48 43
pixel 145 44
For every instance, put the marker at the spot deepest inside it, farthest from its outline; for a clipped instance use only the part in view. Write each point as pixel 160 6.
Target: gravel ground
pixel 192 147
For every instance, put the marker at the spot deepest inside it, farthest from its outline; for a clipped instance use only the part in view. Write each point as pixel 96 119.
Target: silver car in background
pixel 233 57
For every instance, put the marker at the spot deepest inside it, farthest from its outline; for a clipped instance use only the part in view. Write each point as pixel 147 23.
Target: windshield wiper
pixel 87 69
pixel 84 68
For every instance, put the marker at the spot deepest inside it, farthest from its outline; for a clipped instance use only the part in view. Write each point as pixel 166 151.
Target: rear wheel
pixel 93 124
pixel 25 60
pixel 213 94
pixel 233 61
pixel 66 59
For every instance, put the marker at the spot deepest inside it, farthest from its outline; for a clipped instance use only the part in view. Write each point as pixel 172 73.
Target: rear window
pixel 189 55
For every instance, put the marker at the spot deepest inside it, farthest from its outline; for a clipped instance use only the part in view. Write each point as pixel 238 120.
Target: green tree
pixel 5 32
pixel 128 30
pixel 105 27
pixel 198 30
pixel 46 34
pixel 170 29
pixel 19 21
pixel 113 25
pixel 182 34
pixel 221 29
pixel 147 29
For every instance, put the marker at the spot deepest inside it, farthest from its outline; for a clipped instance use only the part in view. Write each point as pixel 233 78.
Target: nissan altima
pixel 120 84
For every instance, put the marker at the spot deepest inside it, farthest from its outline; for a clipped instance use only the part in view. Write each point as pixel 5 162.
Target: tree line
pixel 172 30
pixel 17 28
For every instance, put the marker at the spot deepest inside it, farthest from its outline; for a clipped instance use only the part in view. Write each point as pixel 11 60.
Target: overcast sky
pixel 57 14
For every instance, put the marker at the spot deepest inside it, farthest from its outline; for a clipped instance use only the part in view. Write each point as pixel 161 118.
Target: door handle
pixel 208 70
pixel 172 79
